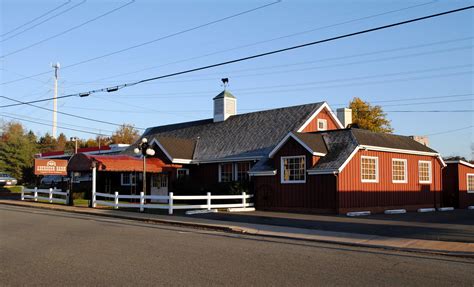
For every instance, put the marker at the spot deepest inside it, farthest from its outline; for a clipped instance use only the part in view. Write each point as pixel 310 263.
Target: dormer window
pixel 322 125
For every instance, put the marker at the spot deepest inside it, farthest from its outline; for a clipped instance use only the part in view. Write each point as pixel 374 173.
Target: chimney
pixel 421 139
pixel 225 105
pixel 345 116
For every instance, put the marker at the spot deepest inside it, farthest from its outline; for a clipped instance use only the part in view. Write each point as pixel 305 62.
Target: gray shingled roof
pixel 341 143
pixel 244 135
pixel 178 148
pixel 314 141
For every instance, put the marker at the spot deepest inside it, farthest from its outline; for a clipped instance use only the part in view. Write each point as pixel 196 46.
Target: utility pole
pixel 55 101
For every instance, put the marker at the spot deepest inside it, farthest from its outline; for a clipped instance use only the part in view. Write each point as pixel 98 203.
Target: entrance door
pixel 159 186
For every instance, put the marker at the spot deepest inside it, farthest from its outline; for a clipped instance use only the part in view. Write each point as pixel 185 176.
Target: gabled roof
pixel 460 162
pixel 176 148
pixel 242 136
pixel 341 145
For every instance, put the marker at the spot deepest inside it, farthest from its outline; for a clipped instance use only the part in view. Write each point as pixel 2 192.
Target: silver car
pixel 7 180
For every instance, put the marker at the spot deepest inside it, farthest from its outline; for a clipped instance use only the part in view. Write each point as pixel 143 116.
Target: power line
pixel 60 127
pixel 67 114
pixel 271 40
pixel 39 17
pixel 117 87
pixel 312 68
pixel 154 40
pixel 66 124
pixel 68 30
pixel 450 131
pixel 44 21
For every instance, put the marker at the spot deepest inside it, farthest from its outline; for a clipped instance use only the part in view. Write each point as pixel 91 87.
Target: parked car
pixel 52 180
pixel 7 180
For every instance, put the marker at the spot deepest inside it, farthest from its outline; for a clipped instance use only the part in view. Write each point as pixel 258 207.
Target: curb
pixel 250 231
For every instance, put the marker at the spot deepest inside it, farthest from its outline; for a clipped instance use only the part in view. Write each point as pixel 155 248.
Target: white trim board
pixel 461 162
pixel 285 139
pixel 311 118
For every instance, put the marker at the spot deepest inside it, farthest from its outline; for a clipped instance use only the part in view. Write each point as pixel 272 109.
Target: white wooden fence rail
pixel 114 201
pixel 26 194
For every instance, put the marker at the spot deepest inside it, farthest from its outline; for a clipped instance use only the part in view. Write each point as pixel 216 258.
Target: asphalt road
pixel 42 247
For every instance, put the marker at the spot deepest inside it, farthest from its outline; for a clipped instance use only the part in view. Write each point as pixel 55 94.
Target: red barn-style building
pixel 299 158
pixel 347 170
pixel 458 184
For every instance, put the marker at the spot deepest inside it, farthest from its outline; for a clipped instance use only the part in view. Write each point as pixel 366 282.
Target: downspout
pixel 337 192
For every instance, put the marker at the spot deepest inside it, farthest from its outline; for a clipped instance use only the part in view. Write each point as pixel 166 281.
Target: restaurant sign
pixel 50 166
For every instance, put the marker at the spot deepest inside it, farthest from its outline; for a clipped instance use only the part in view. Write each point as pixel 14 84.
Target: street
pixel 42 247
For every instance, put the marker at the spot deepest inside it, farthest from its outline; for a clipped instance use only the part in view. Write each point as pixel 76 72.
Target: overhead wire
pixel 68 114
pixel 67 30
pixel 36 18
pixel 153 40
pixel 271 40
pixel 59 127
pixel 378 28
pixel 44 21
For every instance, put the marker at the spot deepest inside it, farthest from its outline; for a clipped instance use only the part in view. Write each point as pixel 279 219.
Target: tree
pixel 369 117
pixel 61 142
pixel 126 134
pixel 47 143
pixel 17 149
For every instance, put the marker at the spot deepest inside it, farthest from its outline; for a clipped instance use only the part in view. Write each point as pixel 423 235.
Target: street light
pixel 74 139
pixel 144 148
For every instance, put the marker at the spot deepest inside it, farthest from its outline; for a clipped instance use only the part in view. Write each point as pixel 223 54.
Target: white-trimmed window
pixel 293 169
pixel 237 171
pixel 424 171
pixel 399 170
pixel 128 179
pixel 369 169
pixel 182 172
pixel 322 124
pixel 470 183
pixel 226 173
pixel 242 171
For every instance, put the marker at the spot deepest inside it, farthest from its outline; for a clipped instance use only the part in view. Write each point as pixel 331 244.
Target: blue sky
pixel 423 66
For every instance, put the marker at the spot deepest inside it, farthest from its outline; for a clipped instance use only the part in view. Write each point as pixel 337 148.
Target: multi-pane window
pixel 226 172
pixel 242 169
pixel 424 171
pixel 399 170
pixel 128 179
pixel 293 169
pixel 237 171
pixel 470 182
pixel 322 124
pixel 369 169
pixel 182 172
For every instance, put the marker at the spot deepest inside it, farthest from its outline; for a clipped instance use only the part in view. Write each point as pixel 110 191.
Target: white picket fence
pixel 170 200
pixel 26 194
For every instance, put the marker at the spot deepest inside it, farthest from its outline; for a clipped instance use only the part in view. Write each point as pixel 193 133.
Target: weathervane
pixel 225 82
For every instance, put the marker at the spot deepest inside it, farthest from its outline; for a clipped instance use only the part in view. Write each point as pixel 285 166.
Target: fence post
pixel 170 203
pixel 142 201
pixel 208 201
pixel 116 200
pixel 67 197
pixel 36 194
pixel 22 193
pixel 50 195
pixel 244 199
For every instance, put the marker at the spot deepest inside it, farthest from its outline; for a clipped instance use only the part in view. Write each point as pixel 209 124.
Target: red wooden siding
pixel 323 114
pixel 318 194
pixel 356 195
pixel 451 185
pixel 465 199
pixel 455 186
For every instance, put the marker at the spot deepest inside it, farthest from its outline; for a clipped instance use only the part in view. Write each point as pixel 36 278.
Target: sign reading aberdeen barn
pixel 50 166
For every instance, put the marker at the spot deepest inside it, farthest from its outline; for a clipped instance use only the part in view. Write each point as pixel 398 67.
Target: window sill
pixel 292 182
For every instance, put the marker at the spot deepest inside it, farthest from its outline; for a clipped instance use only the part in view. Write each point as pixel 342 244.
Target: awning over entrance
pixel 114 163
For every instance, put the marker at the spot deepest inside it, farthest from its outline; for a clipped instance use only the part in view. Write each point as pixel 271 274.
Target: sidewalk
pixel 345 238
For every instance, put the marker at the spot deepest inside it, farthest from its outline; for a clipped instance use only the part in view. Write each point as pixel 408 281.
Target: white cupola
pixel 225 105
